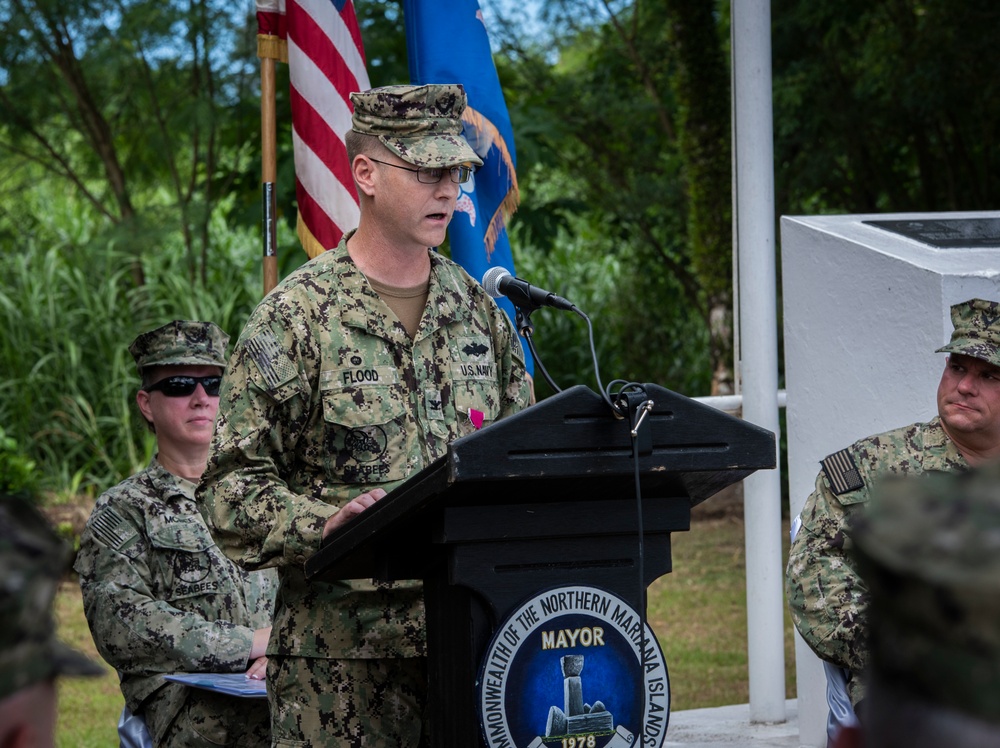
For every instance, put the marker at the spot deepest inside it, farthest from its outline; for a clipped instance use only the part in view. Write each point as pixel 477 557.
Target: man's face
pixel 409 211
pixel 188 420
pixel 969 398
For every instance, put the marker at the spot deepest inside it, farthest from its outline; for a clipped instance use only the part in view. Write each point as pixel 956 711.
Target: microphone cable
pixel 631 403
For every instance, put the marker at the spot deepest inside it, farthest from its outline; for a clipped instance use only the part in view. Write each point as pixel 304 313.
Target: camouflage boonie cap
pixel 977 330
pixel 420 124
pixel 929 549
pixel 32 560
pixel 180 343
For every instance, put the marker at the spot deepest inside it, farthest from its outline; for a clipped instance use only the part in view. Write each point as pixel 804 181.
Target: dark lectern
pixel 541 499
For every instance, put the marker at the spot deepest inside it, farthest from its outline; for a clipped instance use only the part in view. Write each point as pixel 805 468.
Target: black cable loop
pixel 619 403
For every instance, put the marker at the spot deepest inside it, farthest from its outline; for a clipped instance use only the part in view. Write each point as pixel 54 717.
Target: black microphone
pixel 499 282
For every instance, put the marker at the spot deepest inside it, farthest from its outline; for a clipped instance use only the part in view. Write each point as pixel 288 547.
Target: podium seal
pixel 574 667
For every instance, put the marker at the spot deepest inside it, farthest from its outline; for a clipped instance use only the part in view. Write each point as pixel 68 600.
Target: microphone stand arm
pixel 525 328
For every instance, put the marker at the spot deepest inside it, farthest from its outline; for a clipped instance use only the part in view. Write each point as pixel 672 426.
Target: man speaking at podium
pixel 351 376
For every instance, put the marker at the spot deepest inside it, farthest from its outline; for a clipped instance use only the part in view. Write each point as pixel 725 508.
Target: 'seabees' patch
pixel 842 472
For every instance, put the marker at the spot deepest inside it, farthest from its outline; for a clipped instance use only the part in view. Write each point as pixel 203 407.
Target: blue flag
pixel 448 43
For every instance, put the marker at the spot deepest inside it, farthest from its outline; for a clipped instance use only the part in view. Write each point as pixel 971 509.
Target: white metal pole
pixel 754 220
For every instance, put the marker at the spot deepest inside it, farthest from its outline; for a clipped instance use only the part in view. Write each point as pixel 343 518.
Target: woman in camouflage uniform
pixel 159 595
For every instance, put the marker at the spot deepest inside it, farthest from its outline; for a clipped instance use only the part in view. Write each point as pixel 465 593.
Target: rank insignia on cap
pixel 842 473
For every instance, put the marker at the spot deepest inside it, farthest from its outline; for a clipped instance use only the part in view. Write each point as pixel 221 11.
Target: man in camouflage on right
pixel 827 598
pixel 928 549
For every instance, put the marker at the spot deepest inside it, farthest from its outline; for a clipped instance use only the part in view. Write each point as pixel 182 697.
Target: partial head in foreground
pixel 929 550
pixel 33 559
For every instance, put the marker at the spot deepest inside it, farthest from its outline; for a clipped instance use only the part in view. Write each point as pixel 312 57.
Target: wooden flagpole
pixel 269 172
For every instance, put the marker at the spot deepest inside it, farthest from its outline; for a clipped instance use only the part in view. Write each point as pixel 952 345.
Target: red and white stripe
pixel 326 63
pixel 271 18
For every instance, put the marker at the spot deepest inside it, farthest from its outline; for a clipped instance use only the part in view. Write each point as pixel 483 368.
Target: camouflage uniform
pixel 159 595
pixel 827 598
pixel 327 397
pixel 32 561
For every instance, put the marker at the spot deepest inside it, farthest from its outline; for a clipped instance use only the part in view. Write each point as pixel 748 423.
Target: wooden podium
pixel 543 499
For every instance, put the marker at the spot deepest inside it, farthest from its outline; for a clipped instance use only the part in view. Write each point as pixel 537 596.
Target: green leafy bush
pixel 17 470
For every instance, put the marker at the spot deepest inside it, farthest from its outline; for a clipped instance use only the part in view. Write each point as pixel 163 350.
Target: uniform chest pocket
pixel 188 563
pixel 470 398
pixel 365 439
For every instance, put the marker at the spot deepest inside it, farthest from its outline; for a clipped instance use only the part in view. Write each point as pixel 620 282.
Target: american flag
pixel 321 42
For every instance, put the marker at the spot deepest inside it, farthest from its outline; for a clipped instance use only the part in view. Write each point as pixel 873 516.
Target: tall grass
pixel 67 381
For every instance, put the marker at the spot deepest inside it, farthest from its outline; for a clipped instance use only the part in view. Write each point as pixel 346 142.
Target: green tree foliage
pixel 126 127
pixel 595 108
pixel 141 109
pixel 701 86
pixel 381 23
pixel 885 106
pixel 130 170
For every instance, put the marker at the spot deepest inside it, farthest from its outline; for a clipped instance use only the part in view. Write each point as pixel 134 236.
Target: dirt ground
pixel 70 519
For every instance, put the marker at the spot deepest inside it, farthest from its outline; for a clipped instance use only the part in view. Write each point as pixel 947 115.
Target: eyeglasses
pixel 182 386
pixel 433 175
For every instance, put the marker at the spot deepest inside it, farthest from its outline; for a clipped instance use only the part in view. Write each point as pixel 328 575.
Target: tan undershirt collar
pixel 406 303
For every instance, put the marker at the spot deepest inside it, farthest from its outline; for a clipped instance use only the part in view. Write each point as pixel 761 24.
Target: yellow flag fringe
pixel 487 135
pixel 272 47
pixel 309 242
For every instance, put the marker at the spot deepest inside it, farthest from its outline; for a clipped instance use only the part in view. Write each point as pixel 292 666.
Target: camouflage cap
pixel 32 560
pixel 179 343
pixel 977 330
pixel 420 124
pixel 929 550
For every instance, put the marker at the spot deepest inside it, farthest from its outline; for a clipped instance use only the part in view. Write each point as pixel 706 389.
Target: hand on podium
pixel 352 509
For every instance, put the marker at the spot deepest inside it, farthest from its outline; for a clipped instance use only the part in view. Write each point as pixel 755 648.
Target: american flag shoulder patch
pixel 112 529
pixel 271 360
pixel 842 472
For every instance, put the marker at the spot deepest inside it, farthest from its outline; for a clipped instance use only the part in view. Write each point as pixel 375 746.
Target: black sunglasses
pixel 182 386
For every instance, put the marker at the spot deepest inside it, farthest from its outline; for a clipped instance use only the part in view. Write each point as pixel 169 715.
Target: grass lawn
pixel 698 612
pixel 88 707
